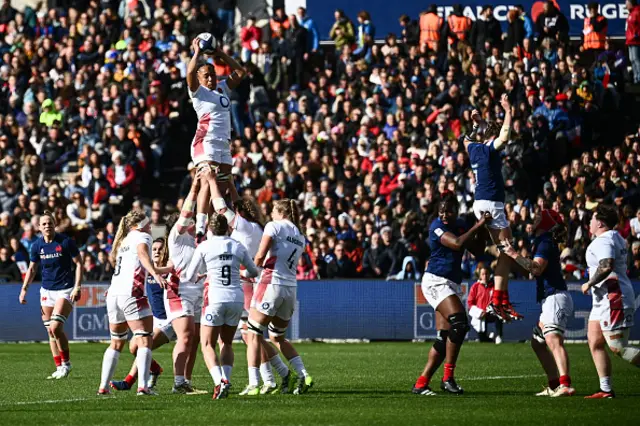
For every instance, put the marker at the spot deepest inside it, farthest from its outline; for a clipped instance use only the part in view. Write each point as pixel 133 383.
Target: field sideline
pixel 355 384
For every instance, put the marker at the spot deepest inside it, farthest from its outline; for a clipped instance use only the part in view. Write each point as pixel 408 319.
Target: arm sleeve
pixel 34 256
pixel 542 251
pixel 270 230
pixel 195 94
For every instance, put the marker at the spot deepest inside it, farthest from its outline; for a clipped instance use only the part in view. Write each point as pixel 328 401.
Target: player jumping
pixel 212 105
pixel 557 305
pixel 222 257
pixel 489 197
pixel 274 298
pixel 127 303
pixel 613 307
pixel 55 253
pixel 441 287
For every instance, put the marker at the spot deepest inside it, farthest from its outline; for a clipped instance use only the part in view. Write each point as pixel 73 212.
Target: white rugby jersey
pixel 129 276
pixel 287 246
pixel 248 234
pixel 213 108
pixel 222 257
pixel 181 250
pixel 611 245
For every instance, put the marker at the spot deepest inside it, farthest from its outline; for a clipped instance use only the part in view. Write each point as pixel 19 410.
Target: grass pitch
pixel 354 384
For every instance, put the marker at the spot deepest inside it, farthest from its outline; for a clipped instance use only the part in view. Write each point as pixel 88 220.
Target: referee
pixel 55 253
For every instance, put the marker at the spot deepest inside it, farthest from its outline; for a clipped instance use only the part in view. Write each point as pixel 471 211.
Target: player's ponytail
pixel 249 210
pixel 295 214
pixel 131 219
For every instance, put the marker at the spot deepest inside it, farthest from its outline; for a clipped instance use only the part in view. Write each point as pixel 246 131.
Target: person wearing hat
pixel 49 113
pixel 554 298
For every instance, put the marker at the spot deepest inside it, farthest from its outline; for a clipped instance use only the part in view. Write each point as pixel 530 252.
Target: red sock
pixel 554 383
pixel 130 379
pixel 497 297
pixel 65 356
pixel 422 382
pixel 565 380
pixel 448 371
pixel 155 367
pixel 505 297
pixel 58 360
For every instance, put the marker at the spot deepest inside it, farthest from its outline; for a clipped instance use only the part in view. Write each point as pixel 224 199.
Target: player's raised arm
pixel 457 243
pixel 192 67
pixel 237 71
pixel 505 132
pixel 185 221
pixel 536 266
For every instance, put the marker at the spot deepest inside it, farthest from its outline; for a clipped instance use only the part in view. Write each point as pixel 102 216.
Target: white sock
pixel 267 374
pixel 605 384
pixel 143 362
pixel 226 372
pixel 277 363
pixel 201 223
pixel 254 376
pixel 297 365
pixel 109 363
pixel 631 355
pixel 178 380
pixel 216 375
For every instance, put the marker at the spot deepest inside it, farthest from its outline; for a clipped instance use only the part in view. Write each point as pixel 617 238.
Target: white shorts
pixel 49 298
pixel 226 313
pixel 613 305
pixel 496 209
pixel 127 308
pixel 275 300
pixel 435 289
pixel 557 308
pixel 183 306
pixel 164 325
pixel 217 151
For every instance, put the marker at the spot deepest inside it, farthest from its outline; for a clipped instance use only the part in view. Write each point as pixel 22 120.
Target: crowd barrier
pixel 327 309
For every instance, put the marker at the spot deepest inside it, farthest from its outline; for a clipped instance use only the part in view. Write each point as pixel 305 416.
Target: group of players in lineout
pixel 196 285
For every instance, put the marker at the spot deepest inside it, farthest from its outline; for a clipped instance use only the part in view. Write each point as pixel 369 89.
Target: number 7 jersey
pixel 287 247
pixel 222 257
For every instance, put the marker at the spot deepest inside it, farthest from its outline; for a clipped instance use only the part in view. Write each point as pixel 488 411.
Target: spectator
pixel 458 26
pixel 527 21
pixel 486 32
pixel 633 37
pixel 345 267
pixel 479 297
pixel 594 33
pixel 431 28
pixel 342 32
pixel 9 270
pixel 250 36
pixel 49 113
pixel 366 35
pixel 410 30
pixel 313 37
pixel 29 237
pixel 515 32
pixel 305 269
pixel 296 51
pixel 552 23
pixel 121 176
pixel 227 14
pixel 79 212
pixel 279 22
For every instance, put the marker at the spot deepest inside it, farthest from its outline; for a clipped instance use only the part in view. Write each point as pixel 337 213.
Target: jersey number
pixel 291 259
pixel 118 266
pixel 226 275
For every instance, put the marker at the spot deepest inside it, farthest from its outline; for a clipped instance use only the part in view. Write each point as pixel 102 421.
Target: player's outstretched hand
pixel 486 218
pixel 161 281
pixel 23 297
pixel 475 116
pixel 508 249
pixel 504 102
pixel 195 46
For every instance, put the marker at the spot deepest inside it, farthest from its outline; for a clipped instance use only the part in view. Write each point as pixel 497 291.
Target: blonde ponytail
pixel 132 218
pixel 295 214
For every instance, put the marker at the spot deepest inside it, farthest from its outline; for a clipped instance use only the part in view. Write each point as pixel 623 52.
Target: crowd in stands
pixel 364 135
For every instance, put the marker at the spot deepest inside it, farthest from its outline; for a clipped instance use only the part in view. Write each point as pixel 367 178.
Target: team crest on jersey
pixel 58 249
pixel 265 305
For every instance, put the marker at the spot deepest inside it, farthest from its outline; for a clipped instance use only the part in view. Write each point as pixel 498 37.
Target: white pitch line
pixel 525 376
pixel 46 401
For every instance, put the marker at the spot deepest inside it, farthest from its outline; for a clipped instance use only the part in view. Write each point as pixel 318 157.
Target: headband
pixel 144 222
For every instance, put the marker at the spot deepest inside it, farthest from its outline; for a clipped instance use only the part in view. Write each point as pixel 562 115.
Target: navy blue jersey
pixel 155 294
pixel 56 261
pixel 551 279
pixel 487 166
pixel 445 262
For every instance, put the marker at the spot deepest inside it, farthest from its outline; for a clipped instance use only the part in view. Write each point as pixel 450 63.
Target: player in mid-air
pixel 212 104
pixel 55 254
pixel 448 237
pixel 127 303
pixel 247 223
pixel 613 298
pixel 274 298
pixel 162 330
pixel 183 295
pixel 222 257
pixel 552 294
pixel 489 197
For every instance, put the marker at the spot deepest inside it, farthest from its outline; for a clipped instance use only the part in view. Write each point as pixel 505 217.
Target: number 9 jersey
pixel 287 247
pixel 222 257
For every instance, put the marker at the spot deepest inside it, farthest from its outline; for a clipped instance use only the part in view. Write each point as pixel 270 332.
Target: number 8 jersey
pixel 129 276
pixel 287 247
pixel 222 257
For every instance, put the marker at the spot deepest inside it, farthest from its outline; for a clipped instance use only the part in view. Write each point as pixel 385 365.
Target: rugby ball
pixel 207 43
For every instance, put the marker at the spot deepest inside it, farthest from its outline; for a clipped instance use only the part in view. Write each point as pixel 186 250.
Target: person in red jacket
pixel 479 297
pixel 250 37
pixel 633 38
pixel 121 176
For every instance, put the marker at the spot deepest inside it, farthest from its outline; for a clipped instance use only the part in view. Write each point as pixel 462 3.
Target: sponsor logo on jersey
pixel 51 256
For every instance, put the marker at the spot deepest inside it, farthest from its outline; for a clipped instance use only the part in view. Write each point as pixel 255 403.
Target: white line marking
pixel 524 376
pixel 46 401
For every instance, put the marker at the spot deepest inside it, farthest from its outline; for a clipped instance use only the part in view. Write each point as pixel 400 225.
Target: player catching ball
pixel 552 294
pixel 489 197
pixel 441 287
pixel 212 104
pixel 613 307
pixel 55 254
